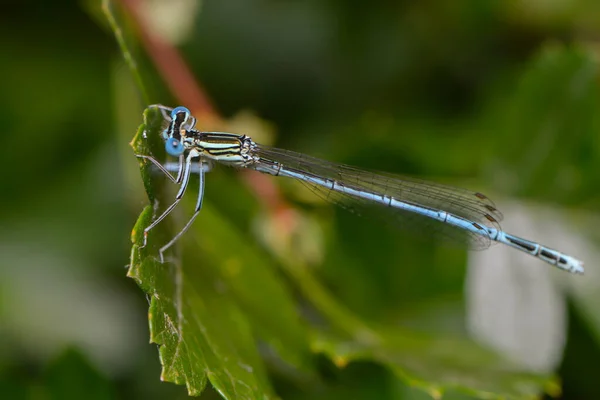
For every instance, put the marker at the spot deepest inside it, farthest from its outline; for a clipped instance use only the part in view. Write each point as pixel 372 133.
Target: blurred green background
pixel 499 97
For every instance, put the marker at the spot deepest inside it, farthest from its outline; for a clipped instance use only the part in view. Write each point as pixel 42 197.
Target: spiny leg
pixel 162 168
pixel 180 170
pixel 184 183
pixel 165 111
pixel 191 220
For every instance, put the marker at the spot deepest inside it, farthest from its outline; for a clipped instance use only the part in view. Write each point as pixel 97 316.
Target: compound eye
pixel 174 147
pixel 180 110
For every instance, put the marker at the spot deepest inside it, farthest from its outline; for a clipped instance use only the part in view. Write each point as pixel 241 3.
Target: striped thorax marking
pixel 227 148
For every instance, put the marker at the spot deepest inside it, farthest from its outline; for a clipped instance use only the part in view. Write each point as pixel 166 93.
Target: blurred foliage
pixel 499 97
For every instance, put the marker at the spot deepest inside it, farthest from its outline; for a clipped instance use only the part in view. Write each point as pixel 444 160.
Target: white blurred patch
pixel 49 302
pixel 172 20
pixel 516 303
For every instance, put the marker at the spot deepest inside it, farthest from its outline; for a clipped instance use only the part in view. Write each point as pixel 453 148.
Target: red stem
pixel 182 83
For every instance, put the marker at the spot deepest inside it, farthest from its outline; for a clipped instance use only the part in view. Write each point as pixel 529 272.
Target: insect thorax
pixel 226 148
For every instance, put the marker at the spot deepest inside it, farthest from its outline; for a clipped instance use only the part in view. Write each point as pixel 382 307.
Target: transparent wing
pixel 472 206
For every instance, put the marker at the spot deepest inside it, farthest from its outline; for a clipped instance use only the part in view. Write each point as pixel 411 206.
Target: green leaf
pixel 549 127
pixel 435 363
pixel 210 305
pixel 255 284
pixel 438 364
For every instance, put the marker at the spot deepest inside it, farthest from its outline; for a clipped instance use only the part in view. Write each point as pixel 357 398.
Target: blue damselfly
pixel 457 212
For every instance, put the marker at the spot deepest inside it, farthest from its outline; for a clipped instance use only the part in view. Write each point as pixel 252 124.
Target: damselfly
pixel 457 212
